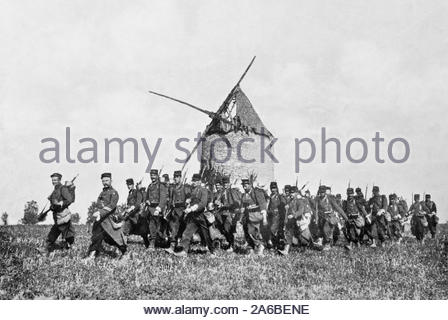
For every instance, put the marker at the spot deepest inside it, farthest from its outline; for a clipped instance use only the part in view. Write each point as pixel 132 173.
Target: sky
pixel 353 67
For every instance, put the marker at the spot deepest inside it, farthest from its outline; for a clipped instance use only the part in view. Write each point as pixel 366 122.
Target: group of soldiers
pixel 171 214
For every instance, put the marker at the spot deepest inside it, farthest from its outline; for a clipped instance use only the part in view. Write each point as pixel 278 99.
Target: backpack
pixel 70 187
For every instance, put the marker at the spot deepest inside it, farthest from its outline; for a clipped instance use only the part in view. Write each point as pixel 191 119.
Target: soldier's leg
pixel 154 227
pixel 68 233
pixel 254 230
pixel 381 228
pixel 190 229
pixel 127 225
pixel 228 230
pixel 174 224
pixel 52 237
pixel 109 240
pixel 327 230
pixel 97 238
pixel 274 230
pixel 204 232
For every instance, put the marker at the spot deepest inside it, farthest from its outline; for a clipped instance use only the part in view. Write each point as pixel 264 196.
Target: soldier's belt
pixel 254 209
pixel 153 204
pixel 179 205
pixel 356 215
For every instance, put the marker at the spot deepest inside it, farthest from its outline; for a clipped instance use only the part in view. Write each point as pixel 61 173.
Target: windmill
pixel 222 139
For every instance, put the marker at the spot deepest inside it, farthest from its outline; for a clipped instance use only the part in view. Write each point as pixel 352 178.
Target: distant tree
pixel 90 210
pixel 5 218
pixel 76 217
pixel 30 213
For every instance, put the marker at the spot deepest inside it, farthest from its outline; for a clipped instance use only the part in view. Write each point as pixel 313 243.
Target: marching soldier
pixel 326 207
pixel 396 216
pixel 156 199
pixel 253 204
pixel 178 195
pixel 133 223
pixel 355 218
pixel 298 219
pixel 227 201
pixel 276 217
pixel 104 227
pixel 419 222
pixel 433 219
pixel 60 199
pixel 195 218
pixel 377 209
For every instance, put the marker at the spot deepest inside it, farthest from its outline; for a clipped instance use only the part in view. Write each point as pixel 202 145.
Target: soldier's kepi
pixel 105 228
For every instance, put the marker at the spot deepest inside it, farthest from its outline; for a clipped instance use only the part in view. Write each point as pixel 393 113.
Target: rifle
pixel 365 196
pixel 43 214
pixel 349 180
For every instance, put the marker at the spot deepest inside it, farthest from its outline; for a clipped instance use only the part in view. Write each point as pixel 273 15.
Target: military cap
pixel 416 196
pixel 338 195
pixel 129 181
pixel 392 196
pixel 287 187
pixel 106 175
pixel 245 181
pixel 328 188
pixel 273 185
pixel 294 189
pixel 225 179
pixel 177 173
pixel 154 171
pixel 357 190
pixel 428 196
pixel 56 175
pixel 196 177
pixel 350 191
pixel 322 189
pixel 376 188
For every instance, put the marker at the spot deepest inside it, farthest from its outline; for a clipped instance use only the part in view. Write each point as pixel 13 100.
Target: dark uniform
pixel 355 217
pixel 66 230
pixel 326 207
pixel 156 200
pixel 396 215
pixel 419 221
pixel 377 209
pixel 298 219
pixel 432 217
pixel 227 202
pixel 253 204
pixel 276 217
pixel 134 223
pixel 363 203
pixel 107 228
pixel 177 197
pixel 195 219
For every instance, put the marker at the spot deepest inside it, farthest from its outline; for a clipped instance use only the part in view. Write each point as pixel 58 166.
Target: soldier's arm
pixel 109 207
pixel 434 207
pixel 262 201
pixel 337 208
pixel 384 202
pixel 202 204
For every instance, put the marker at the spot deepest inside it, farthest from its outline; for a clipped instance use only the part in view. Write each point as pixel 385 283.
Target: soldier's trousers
pixel 275 228
pixel 292 230
pixel 395 229
pixel 155 223
pixel 174 222
pixel 326 228
pixel 252 231
pixel 196 222
pixel 353 232
pixel 432 224
pixel 98 236
pixel 224 223
pixel 379 225
pixel 66 230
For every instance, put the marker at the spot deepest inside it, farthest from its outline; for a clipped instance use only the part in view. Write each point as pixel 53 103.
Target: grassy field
pixel 409 271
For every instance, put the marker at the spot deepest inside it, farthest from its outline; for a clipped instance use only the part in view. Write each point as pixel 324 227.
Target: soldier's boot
pixel 270 244
pixel 373 245
pixel 348 246
pixel 260 250
pixel 90 257
pixel 326 247
pixel 250 251
pixel 285 250
pixel 170 250
pixel 319 241
pixel 181 254
pixel 152 245
pixel 230 248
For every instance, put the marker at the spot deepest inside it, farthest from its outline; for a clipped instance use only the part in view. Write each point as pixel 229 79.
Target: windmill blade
pixel 209 113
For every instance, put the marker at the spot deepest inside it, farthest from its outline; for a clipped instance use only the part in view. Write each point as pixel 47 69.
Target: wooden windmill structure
pixel 235 120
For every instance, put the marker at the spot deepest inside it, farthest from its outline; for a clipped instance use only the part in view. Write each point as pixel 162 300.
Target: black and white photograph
pixel 223 159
